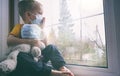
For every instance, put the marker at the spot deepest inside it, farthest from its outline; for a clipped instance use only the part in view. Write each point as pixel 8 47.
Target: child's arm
pixel 12 40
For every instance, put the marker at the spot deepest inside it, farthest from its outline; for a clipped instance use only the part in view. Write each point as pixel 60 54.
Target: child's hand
pixel 36 42
pixel 42 22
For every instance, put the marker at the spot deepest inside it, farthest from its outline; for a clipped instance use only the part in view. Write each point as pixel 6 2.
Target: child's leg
pixel 29 67
pixel 52 53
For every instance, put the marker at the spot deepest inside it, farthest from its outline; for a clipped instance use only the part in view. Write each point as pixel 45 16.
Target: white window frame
pixel 112 51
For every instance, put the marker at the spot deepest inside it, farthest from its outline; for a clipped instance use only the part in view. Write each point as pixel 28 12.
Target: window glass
pixel 76 27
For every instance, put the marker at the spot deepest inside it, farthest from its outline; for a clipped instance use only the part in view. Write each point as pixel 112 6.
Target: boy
pixel 28 9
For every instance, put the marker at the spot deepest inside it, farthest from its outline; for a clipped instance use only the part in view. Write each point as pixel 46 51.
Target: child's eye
pixel 40 12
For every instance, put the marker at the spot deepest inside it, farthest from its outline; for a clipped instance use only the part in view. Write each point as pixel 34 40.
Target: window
pixel 77 28
pixel 97 27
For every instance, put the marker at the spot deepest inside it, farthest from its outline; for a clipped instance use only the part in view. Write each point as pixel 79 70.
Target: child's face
pixel 33 14
pixel 30 16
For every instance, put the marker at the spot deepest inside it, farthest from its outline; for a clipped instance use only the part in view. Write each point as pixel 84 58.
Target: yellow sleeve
pixel 16 30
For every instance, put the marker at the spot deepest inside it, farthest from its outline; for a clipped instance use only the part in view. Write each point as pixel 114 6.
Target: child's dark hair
pixel 28 5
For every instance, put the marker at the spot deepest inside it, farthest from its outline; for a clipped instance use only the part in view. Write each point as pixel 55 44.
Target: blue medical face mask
pixel 37 20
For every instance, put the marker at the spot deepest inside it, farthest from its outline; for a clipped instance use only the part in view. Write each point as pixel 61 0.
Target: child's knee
pixel 51 46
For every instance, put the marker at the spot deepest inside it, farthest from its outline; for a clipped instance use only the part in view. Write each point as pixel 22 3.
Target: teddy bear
pixel 28 31
pixel 33 31
pixel 10 63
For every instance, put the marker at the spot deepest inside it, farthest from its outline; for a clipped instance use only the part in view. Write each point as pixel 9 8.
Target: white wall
pixel 4 22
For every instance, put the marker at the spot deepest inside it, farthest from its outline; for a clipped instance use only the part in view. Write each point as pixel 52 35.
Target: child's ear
pixel 28 14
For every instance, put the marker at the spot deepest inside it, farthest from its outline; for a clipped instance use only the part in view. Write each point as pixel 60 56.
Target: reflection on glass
pixel 77 28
